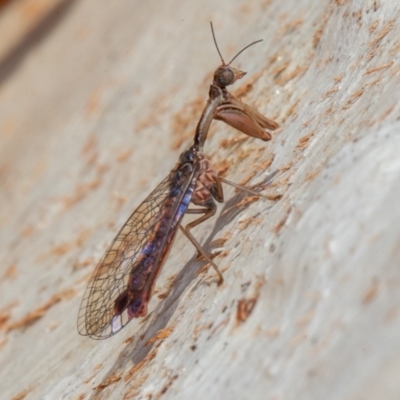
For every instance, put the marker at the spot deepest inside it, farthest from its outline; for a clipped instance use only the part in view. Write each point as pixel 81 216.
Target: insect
pixel 122 283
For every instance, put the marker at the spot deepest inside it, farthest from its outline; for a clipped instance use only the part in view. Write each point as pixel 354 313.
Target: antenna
pixel 215 41
pixel 240 52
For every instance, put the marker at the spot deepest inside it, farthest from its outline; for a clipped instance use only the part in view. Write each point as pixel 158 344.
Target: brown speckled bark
pixel 96 102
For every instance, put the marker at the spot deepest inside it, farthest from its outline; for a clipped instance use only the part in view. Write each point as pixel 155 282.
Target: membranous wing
pixel 121 285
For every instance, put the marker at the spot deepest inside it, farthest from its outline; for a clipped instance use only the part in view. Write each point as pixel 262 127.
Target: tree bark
pixel 98 101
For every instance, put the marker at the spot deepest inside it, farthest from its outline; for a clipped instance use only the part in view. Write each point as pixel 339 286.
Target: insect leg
pixel 208 212
pixel 272 197
pixel 207 190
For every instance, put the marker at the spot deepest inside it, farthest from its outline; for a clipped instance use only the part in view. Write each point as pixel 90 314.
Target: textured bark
pixel 96 103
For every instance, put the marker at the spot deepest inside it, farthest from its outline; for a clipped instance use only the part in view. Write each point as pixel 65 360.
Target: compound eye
pixel 224 76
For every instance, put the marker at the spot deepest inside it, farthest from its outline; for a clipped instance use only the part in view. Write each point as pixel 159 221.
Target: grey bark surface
pixel 97 102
